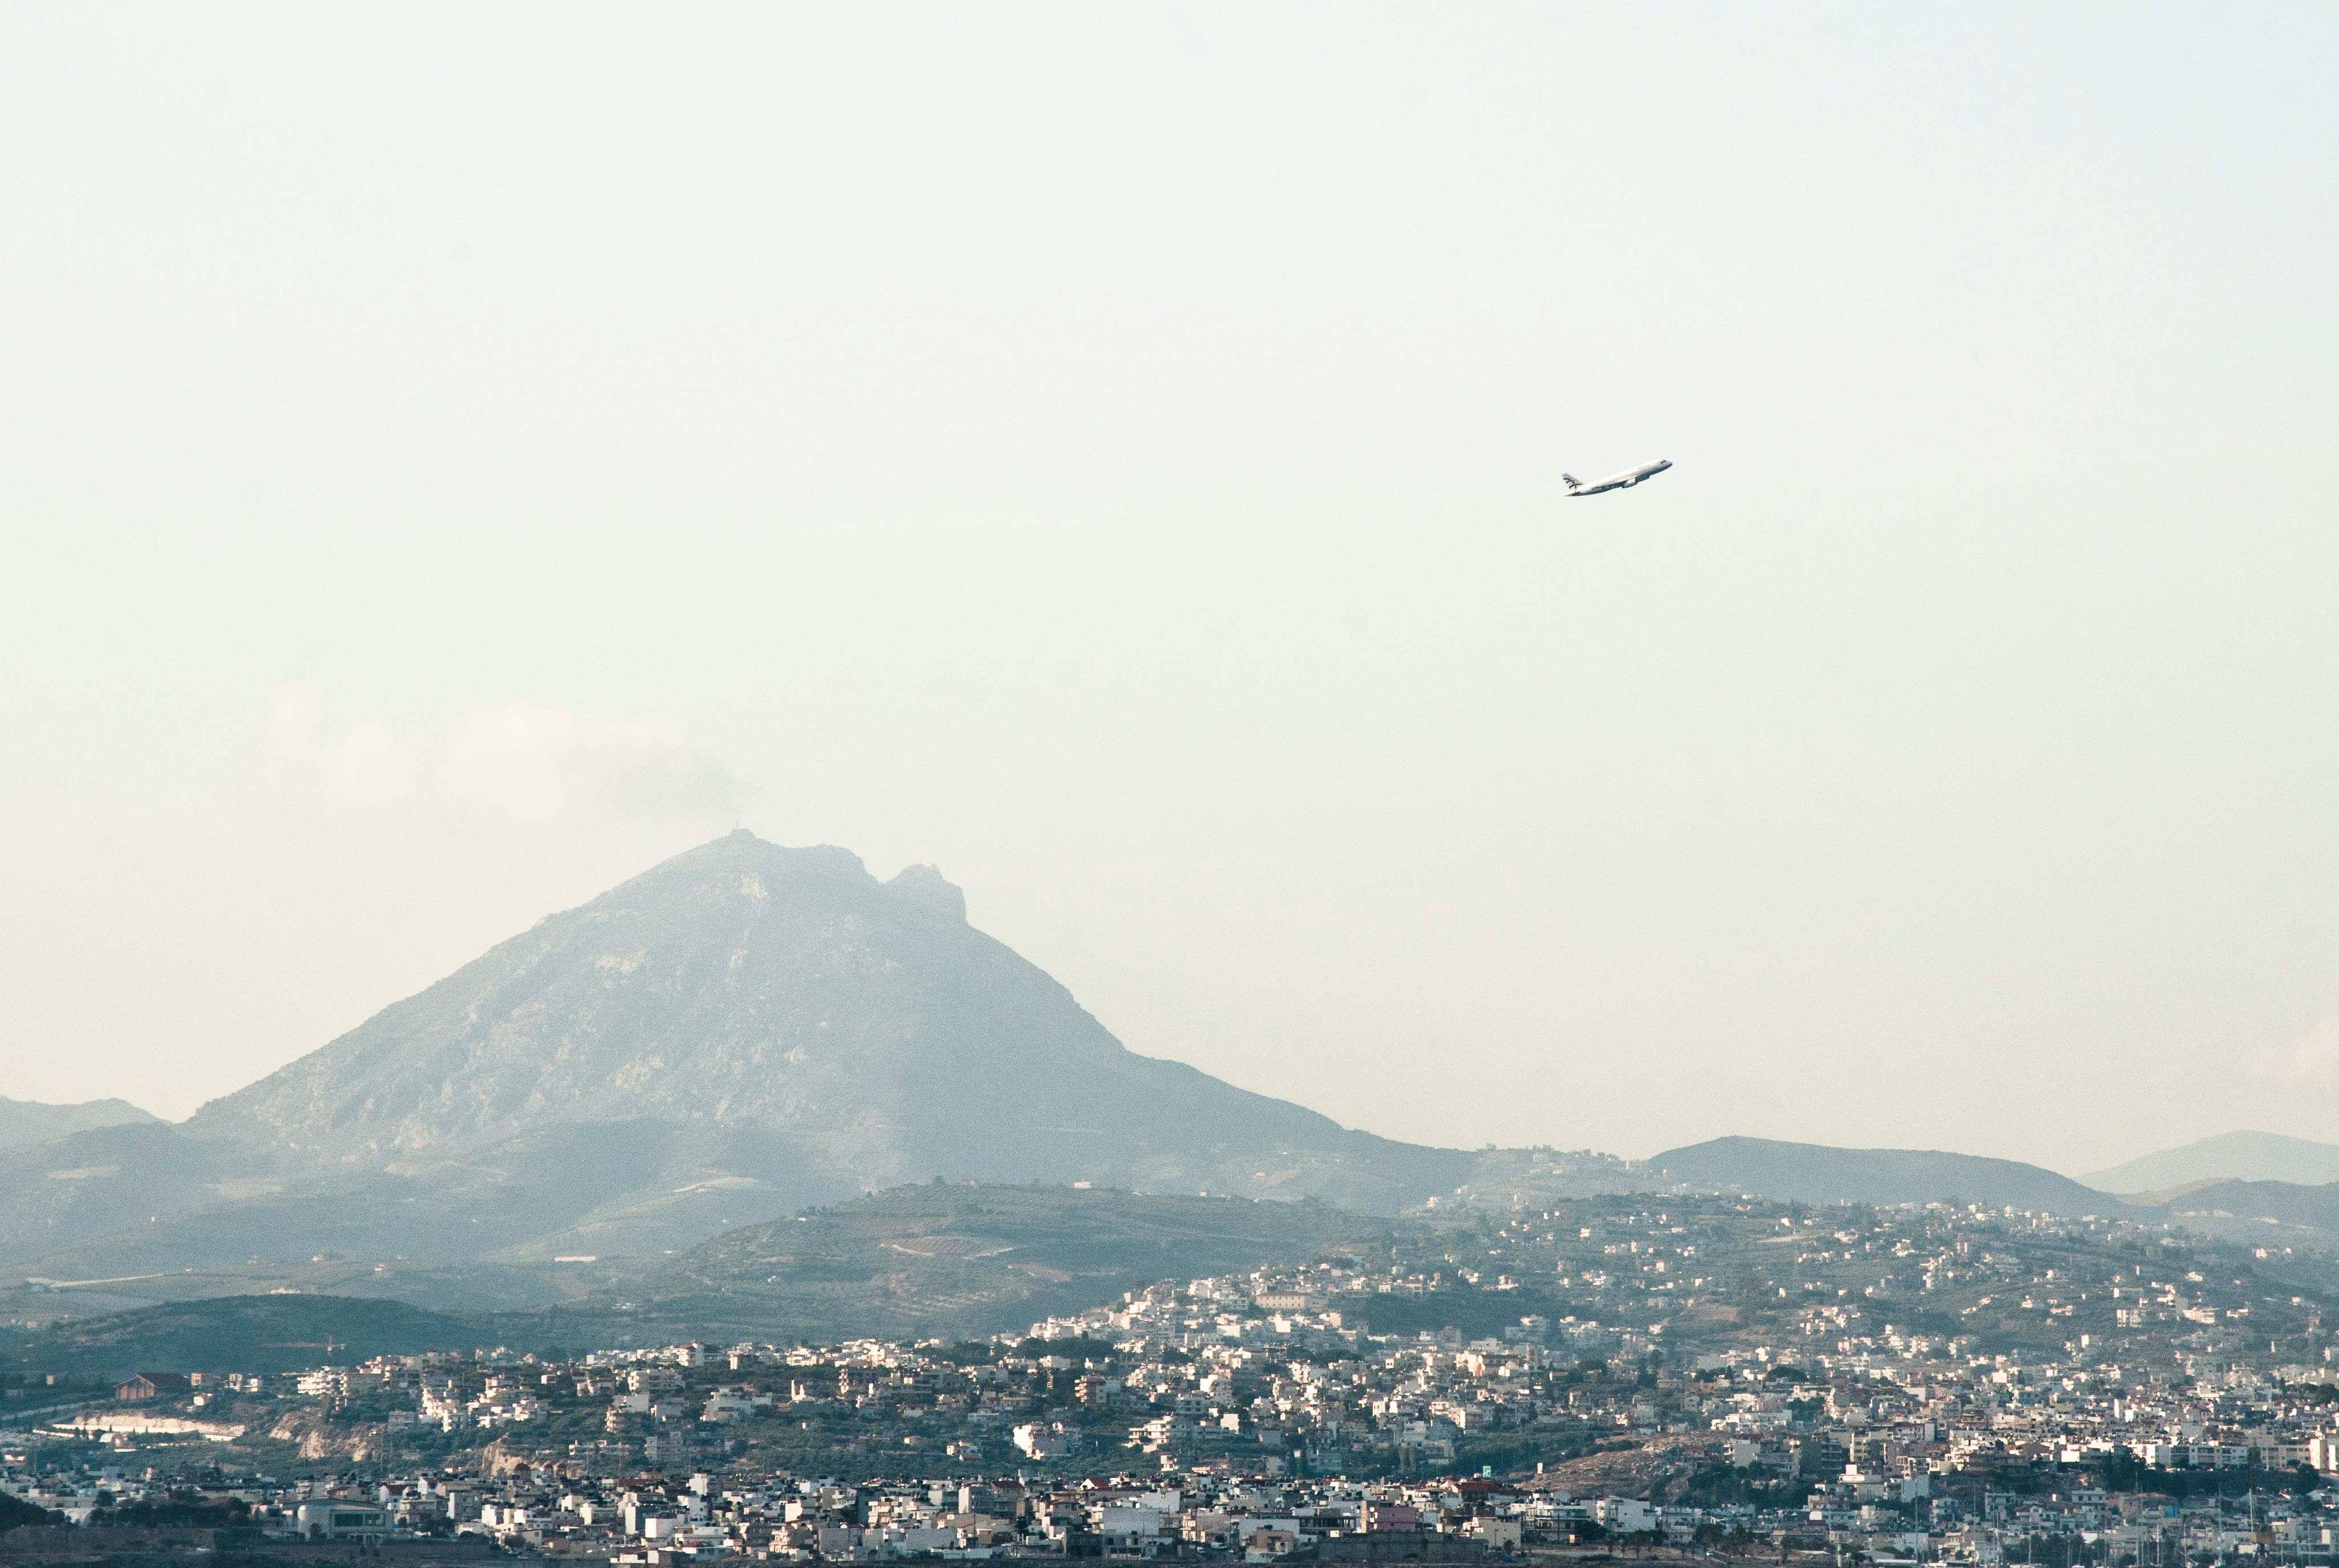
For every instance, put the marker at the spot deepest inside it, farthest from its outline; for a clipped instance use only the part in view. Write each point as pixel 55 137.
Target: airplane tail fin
pixel 1573 482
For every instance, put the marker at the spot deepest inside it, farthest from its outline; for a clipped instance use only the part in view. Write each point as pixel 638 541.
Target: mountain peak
pixel 925 885
pixel 739 863
pixel 787 1016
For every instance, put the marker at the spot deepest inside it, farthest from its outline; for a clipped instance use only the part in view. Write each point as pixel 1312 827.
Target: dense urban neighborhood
pixel 1714 1374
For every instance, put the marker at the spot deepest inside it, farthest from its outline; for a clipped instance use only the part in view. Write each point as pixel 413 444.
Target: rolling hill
pixel 931 1259
pixel 958 1260
pixel 2237 1209
pixel 2228 1157
pixel 24 1121
pixel 242 1333
pixel 1816 1173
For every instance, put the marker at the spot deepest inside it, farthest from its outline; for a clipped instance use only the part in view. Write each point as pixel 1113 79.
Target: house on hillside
pixel 152 1386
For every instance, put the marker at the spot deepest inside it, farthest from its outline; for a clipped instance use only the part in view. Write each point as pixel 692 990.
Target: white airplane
pixel 1624 481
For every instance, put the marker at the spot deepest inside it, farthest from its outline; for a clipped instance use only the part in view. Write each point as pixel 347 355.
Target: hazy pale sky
pixel 453 456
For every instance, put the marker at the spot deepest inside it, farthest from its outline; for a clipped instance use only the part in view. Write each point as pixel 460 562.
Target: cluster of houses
pixel 565 1508
pixel 1262 1418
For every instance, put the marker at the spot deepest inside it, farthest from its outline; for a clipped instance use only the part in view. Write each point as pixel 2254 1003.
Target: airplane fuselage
pixel 1624 481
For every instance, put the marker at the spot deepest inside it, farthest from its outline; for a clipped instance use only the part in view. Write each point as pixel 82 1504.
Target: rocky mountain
pixel 863 1032
pixel 24 1121
pixel 739 1033
pixel 1816 1173
pixel 2228 1157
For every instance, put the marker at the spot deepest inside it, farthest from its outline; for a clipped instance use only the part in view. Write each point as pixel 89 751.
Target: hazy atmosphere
pixel 451 459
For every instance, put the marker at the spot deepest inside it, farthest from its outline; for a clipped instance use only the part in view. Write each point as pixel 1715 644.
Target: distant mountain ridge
pixel 2228 1157
pixel 746 1031
pixel 24 1121
pixel 1818 1173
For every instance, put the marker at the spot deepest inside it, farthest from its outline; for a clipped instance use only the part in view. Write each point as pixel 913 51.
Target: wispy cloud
pixel 515 766
pixel 2312 1059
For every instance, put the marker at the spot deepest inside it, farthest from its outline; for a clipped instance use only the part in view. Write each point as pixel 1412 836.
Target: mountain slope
pixel 247 1333
pixel 610 1187
pixel 862 1028
pixel 951 1259
pixel 2228 1157
pixel 927 1260
pixel 2238 1207
pixel 59 1194
pixel 24 1121
pixel 1815 1173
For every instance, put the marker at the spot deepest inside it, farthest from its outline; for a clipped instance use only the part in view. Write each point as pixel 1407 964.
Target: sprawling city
pixel 1717 1377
